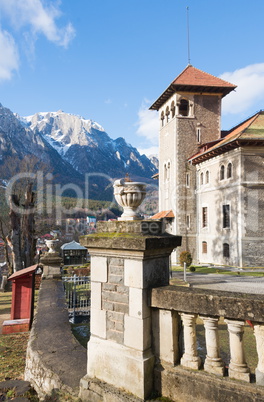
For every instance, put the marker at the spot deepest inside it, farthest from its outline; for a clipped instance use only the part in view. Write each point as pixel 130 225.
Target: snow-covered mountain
pixel 18 141
pixel 68 146
pixel 87 147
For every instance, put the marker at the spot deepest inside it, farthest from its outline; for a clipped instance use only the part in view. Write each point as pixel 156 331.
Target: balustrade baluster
pixel 238 368
pixel 213 362
pixel 259 335
pixel 190 357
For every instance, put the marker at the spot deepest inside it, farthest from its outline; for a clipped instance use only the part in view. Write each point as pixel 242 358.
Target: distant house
pixel 74 254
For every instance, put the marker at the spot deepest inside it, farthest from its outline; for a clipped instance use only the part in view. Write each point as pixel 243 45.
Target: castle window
pixel 188 221
pixel 204 247
pixel 184 107
pixel 202 179
pixel 222 172
pixel 226 216
pixel 162 119
pixel 167 114
pixel 172 109
pixel 168 170
pixel 226 252
pixel 204 217
pixel 198 134
pixel 229 171
pixel 207 177
pixel 187 179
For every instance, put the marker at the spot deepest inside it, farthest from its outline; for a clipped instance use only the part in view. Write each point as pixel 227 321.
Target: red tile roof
pixel 164 214
pixel 249 132
pixel 194 80
pixel 195 77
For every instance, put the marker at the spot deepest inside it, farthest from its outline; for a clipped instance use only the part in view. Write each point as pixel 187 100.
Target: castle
pixel 211 182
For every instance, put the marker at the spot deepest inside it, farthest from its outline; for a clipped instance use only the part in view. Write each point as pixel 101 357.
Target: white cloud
pixel 40 17
pixel 249 92
pixel 9 59
pixel 149 151
pixel 148 123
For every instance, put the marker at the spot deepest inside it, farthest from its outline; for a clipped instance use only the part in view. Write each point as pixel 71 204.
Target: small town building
pixel 74 254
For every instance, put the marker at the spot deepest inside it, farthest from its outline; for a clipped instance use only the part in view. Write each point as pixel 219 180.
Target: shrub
pixel 185 256
pixel 192 268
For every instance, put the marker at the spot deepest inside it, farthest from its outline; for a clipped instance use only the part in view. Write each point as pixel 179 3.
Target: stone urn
pixel 51 244
pixel 129 195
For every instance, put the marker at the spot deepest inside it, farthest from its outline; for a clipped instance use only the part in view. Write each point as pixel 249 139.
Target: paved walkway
pixel 229 283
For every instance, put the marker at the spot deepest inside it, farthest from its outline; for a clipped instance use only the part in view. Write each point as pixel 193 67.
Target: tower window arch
pixel 202 179
pixel 207 177
pixel 172 109
pixel 168 170
pixel 222 172
pixel 162 118
pixel 167 114
pixel 229 171
pixel 184 107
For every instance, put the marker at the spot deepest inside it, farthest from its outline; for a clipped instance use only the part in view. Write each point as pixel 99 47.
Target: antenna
pixel 188 35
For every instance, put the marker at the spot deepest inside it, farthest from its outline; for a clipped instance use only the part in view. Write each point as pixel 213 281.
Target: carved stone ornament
pixel 51 244
pixel 129 195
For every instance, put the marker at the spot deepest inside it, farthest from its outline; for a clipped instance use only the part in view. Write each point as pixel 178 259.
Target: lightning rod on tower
pixel 188 35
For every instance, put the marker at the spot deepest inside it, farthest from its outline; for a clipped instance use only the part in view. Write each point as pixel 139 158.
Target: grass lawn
pixel 12 347
pixel 12 355
pixel 249 343
pixel 5 302
pixel 210 270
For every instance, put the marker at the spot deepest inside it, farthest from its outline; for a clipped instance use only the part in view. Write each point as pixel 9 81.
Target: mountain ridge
pixel 70 147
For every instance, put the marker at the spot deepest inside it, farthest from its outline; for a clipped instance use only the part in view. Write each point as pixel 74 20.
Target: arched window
pixel 172 109
pixel 229 170
pixel 202 179
pixel 162 119
pixel 226 250
pixel 167 114
pixel 168 170
pixel 204 247
pixel 207 177
pixel 184 107
pixel 222 172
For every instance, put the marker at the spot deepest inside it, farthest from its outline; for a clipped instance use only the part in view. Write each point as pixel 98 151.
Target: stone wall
pixel 115 298
pixel 55 360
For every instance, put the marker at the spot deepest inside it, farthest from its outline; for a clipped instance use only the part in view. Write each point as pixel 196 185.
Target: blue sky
pixel 109 60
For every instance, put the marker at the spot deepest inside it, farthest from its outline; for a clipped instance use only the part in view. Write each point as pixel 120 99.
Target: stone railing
pixel 55 359
pixel 175 310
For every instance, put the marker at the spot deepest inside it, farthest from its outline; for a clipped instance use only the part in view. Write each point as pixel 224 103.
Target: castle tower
pixel 190 116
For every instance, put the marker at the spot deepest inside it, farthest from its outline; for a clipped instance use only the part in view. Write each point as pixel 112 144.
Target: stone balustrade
pixel 175 310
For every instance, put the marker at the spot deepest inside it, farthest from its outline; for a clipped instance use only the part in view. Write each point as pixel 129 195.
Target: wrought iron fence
pixel 78 295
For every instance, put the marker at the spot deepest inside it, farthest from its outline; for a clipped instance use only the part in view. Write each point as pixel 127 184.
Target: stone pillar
pixel 238 368
pixel 259 335
pixel 51 263
pixel 190 357
pixel 213 362
pixel 126 262
pixel 165 325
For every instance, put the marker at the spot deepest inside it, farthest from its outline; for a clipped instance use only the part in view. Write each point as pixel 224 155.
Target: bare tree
pixel 14 238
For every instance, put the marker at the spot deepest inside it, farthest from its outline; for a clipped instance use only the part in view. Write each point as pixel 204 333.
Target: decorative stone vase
pixel 129 195
pixel 51 244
